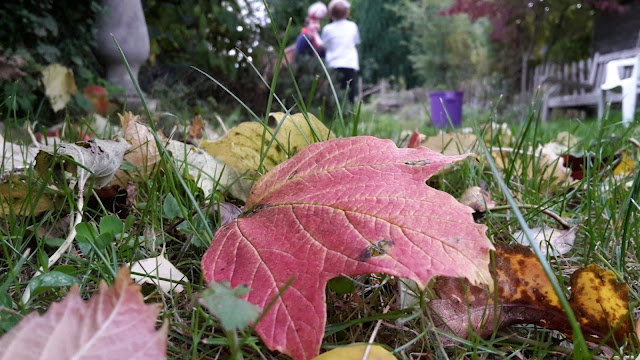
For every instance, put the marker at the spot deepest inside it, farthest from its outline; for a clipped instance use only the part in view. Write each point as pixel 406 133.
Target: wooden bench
pixel 576 84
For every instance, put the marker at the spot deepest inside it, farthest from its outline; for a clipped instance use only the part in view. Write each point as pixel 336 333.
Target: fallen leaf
pixel 415 139
pixel 155 270
pixel 208 172
pixel 601 303
pixel 494 133
pixel 99 159
pixel 451 144
pixel 346 206
pixel 196 127
pixel 525 295
pixel 115 324
pixel 16 156
pixel 228 212
pixel 241 147
pixel 143 153
pixel 356 352
pixel 18 195
pixel 543 165
pixel 626 164
pixel 225 303
pixel 477 198
pixel 558 241
pixel 59 85
pixel 116 199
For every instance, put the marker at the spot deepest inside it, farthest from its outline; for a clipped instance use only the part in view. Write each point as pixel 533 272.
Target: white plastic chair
pixel 630 86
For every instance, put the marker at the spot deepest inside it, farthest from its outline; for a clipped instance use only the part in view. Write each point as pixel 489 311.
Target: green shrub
pixel 42 32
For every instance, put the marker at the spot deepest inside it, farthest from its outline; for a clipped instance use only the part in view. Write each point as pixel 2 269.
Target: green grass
pixel 607 219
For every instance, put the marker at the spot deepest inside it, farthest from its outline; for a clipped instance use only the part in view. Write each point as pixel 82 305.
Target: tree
pixel 527 29
pixel 383 53
pixel 203 33
pixel 444 51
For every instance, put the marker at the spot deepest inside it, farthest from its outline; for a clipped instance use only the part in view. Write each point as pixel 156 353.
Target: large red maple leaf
pixel 346 206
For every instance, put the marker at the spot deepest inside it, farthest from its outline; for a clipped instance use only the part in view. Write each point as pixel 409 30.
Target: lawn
pixel 166 211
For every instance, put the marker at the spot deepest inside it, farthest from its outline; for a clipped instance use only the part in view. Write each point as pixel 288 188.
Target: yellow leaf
pixel 18 196
pixel 451 143
pixel 356 352
pixel 626 164
pixel 521 278
pixel 600 302
pixel 241 148
pixel 59 85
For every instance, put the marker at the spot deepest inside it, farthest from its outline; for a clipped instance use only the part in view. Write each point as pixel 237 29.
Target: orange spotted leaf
pixel 600 302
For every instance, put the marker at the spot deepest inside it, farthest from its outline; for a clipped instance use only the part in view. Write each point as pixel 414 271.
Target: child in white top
pixel 340 39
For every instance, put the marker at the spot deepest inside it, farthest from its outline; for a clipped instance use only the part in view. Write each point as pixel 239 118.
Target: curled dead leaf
pixel 143 152
pixel 97 159
pixel 477 198
pixel 543 165
pixel 558 241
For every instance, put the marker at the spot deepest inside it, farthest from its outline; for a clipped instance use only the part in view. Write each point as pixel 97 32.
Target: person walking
pixel 340 39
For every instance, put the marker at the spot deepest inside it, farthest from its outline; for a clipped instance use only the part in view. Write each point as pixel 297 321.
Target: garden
pixel 174 185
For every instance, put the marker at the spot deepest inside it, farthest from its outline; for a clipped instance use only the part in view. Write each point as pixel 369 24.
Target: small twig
pixel 32 136
pixel 565 225
pixel 635 142
pixel 224 128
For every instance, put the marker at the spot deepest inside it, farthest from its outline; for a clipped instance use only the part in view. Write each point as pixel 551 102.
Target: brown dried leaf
pixel 524 295
pixel 143 152
pixel 195 131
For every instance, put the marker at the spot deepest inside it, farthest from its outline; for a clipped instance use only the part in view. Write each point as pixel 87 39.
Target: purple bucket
pixel 452 101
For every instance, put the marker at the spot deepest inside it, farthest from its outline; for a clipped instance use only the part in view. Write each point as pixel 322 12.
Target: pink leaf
pixel 346 206
pixel 115 324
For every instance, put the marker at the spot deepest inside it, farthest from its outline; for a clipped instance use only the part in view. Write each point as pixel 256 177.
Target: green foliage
pixel 444 51
pixel 283 10
pixel 43 32
pixel 384 45
pixel 202 33
pixel 225 303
